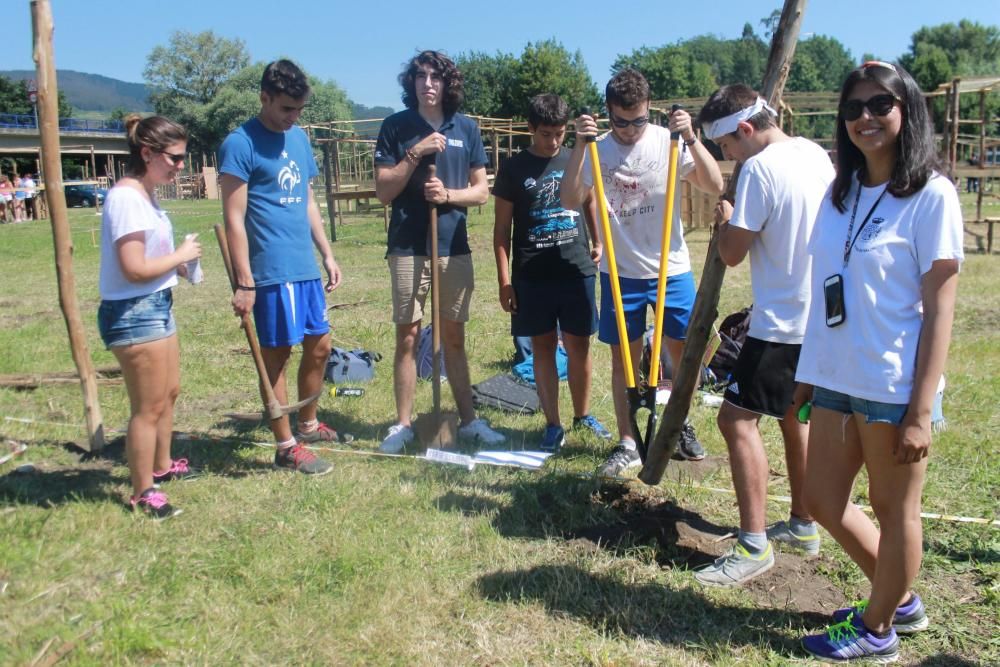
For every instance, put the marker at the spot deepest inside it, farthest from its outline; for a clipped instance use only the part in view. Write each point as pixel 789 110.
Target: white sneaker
pixel 399 436
pixel 782 532
pixel 479 429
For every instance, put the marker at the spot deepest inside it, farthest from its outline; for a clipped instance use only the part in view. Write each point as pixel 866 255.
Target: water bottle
pixel 347 391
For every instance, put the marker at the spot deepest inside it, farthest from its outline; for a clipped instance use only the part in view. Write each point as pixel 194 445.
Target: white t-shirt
pixel 635 186
pixel 126 211
pixel 873 354
pixel 778 195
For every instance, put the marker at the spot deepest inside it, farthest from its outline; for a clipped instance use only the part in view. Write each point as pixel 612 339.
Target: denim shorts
pixel 875 412
pixel 141 319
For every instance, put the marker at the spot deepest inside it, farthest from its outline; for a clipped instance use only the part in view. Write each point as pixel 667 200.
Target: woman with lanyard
pixel 886 249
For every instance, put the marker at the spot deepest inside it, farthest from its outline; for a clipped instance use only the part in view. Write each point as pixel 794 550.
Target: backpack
pixel 351 365
pixel 425 356
pixel 733 332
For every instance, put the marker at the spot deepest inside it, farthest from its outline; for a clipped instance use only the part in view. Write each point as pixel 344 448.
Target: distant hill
pixel 93 92
pixel 362 112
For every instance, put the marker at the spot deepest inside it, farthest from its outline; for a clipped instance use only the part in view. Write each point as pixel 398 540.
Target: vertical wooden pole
pixel 496 153
pixel 953 130
pixel 706 305
pixel 982 154
pixel 328 190
pixel 335 157
pixel 48 115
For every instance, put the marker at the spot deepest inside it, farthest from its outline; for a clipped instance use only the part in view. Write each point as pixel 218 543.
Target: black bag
pixel 733 332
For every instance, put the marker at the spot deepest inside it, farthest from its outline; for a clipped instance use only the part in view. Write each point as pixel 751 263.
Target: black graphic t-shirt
pixel 548 242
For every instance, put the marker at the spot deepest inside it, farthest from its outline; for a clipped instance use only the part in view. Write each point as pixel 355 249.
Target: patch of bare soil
pixel 684 539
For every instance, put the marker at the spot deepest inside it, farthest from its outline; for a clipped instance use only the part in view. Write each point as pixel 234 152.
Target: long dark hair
pixel 916 155
pixel 454 84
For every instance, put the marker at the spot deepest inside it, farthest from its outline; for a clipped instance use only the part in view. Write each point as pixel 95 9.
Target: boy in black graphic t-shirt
pixel 555 256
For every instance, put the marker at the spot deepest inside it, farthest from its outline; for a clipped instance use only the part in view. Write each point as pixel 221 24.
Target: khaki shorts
pixel 411 280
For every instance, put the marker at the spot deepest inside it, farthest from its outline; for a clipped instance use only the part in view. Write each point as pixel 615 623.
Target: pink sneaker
pixel 154 504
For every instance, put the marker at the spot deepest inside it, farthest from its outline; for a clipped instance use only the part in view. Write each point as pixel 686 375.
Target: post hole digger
pixel 639 395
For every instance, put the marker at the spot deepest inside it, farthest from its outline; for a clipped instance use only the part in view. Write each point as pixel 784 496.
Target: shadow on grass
pixel 48 488
pixel 649 611
pixel 606 516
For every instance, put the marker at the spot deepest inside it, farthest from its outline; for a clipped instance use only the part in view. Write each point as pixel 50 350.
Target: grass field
pixel 399 561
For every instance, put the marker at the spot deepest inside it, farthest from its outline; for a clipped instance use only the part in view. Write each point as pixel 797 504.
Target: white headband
pixel 728 124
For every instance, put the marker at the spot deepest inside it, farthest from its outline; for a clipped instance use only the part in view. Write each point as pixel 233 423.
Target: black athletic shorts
pixel 764 377
pixel 541 305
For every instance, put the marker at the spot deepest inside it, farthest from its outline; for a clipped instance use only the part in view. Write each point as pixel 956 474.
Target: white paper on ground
pixel 522 459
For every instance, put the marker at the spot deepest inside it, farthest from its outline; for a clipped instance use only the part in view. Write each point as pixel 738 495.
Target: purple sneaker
pixel 851 640
pixel 910 617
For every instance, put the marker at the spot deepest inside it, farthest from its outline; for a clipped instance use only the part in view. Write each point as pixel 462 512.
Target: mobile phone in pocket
pixel 833 294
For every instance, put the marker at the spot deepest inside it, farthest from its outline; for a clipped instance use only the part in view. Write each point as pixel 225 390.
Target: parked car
pixel 84 194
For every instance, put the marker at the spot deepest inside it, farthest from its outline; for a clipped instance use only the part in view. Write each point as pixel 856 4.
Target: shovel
pixel 437 430
pixel 272 408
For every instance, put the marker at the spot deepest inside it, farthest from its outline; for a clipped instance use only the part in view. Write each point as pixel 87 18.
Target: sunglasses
pixel 176 158
pixel 879 105
pixel 635 122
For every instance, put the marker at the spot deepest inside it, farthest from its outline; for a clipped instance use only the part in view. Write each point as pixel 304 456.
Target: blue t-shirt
pixel 277 168
pixel 410 213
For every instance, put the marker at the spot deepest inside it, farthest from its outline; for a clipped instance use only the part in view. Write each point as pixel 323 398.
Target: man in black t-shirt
pixel 555 256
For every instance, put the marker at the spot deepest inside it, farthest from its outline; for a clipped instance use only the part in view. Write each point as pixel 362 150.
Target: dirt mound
pixel 684 539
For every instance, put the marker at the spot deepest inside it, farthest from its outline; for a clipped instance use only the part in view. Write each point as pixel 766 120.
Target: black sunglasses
pixel 621 122
pixel 176 158
pixel 879 105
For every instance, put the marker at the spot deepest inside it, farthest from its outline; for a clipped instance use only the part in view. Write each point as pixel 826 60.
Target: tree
pixel 970 48
pixel 547 67
pixel 188 73
pixel 490 84
pixel 239 99
pixel 14 99
pixel 829 60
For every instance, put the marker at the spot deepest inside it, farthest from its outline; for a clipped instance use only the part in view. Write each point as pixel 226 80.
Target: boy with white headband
pixel 780 188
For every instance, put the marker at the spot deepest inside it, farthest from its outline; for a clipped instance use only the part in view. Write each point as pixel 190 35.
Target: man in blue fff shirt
pixel 430 131
pixel 272 223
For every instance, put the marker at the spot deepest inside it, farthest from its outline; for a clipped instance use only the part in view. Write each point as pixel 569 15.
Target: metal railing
pixel 21 121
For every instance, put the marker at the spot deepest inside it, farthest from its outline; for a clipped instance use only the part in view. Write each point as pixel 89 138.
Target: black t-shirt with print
pixel 548 242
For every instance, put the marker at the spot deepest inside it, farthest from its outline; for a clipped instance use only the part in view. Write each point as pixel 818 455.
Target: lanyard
pixel 849 242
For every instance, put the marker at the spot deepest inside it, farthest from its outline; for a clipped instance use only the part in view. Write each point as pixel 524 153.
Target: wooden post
pixel 48 116
pixel 706 304
pixel 496 153
pixel 982 154
pixel 335 158
pixel 953 130
pixel 328 191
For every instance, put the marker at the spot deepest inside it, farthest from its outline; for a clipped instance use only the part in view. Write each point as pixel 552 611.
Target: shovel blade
pixel 437 431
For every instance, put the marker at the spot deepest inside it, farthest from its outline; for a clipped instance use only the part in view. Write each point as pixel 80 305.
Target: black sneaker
pixel 154 504
pixel 179 470
pixel 299 459
pixel 688 447
pixel 623 457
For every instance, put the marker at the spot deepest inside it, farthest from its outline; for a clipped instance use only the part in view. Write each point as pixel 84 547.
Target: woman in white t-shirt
pixel 886 246
pixel 139 266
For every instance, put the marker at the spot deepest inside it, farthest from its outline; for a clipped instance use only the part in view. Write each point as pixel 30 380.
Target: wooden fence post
pixel 706 305
pixel 48 117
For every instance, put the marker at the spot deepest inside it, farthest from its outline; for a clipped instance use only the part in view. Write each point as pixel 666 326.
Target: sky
pixel 361 45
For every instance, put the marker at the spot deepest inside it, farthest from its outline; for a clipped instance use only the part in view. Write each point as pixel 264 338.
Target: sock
pixel 308 426
pixel 755 543
pixel 880 635
pixel 286 444
pixel 627 443
pixel 801 528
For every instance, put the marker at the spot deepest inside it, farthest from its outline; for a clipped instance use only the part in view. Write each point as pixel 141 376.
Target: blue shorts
pixel 875 412
pixel 288 312
pixel 543 305
pixel 637 293
pixel 141 319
